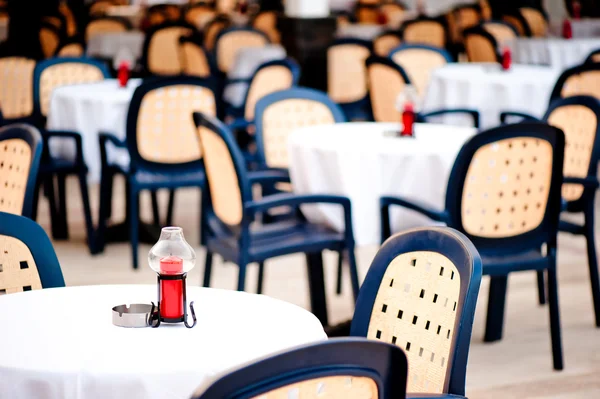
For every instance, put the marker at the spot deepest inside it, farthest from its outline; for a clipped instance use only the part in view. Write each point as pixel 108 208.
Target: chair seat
pixel 504 264
pixel 279 238
pixel 146 178
pixel 57 165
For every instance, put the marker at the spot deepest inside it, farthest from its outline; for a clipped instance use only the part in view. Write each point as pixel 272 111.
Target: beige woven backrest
pixel 211 33
pixel 382 45
pixel 393 12
pixel 385 84
pixel 346 73
pixel 266 81
pixel 68 73
pixel 536 21
pixel 18 271
pixel 163 50
pixel 480 49
pixel 100 26
pixel 194 61
pixel 506 189
pixel 231 42
pixel 579 124
pixel 585 83
pixel 281 118
pixel 516 23
pixel 367 15
pixel 71 50
pixel 266 22
pixel 199 16
pixel 226 6
pixel 15 160
pixel 16 87
pixel 425 32
pixel 461 19
pixel 49 41
pixel 500 32
pixel 222 178
pixel 100 8
pixel 337 387
pixel 419 65
pixel 415 309
pixel 166 132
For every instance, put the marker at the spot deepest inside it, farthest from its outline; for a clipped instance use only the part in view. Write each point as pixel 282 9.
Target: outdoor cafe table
pixel 61 343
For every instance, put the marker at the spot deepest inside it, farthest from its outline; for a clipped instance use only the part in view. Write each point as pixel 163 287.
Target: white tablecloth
pixel 555 52
pixel 488 89
pixel 583 28
pixel 61 343
pixel 360 31
pixel 436 7
pixel 90 109
pixel 120 46
pixel 359 161
pixel 247 60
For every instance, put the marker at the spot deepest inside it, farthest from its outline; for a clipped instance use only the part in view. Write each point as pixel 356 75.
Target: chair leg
pixel 155 212
pixel 57 234
pixel 241 286
pixel 207 269
pixel 171 205
pixel 495 312
pixel 134 199
pixel 353 272
pixel 62 204
pixel 261 277
pixel 316 284
pixel 592 261
pixel 106 182
pixel 541 284
pixel 87 212
pixel 555 334
pixel 36 199
pixel 340 273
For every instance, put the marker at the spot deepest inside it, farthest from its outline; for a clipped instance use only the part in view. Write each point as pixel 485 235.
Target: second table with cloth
pixel 364 161
pixel 554 52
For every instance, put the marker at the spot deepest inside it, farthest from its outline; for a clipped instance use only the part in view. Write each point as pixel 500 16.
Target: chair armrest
pixel 584 181
pixel 526 117
pixel 237 80
pixel 433 396
pixel 474 114
pixel 239 124
pixel 270 176
pixel 417 206
pixel 48 135
pixel 104 138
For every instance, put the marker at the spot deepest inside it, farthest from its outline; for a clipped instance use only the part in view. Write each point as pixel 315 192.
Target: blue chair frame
pixel 143 174
pixel 423 117
pixel 502 256
pixel 239 245
pixel 32 235
pixel 383 363
pixel 461 252
pixel 31 136
pixel 58 167
pixel 360 108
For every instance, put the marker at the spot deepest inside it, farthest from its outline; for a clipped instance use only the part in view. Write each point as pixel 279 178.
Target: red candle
pixel 408 120
pixel 123 74
pixel 567 29
pixel 506 59
pixel 171 291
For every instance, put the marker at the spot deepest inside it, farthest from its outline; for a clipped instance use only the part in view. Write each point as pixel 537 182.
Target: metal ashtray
pixel 133 316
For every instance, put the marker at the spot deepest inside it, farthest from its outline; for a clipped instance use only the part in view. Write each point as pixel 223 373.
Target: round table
pixel 90 109
pixel 364 161
pixel 554 52
pixel 490 90
pixel 583 28
pixel 61 343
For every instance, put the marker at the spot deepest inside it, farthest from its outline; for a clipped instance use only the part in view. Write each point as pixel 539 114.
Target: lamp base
pixel 156 318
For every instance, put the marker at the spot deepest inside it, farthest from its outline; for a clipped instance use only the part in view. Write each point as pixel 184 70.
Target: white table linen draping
pixel 436 7
pixel 360 31
pixel 490 90
pixel 117 46
pixel 90 109
pixel 583 28
pixel 362 162
pixel 61 344
pixel 554 52
pixel 247 60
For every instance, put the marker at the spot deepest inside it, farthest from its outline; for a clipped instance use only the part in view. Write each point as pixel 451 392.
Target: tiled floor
pixel 519 366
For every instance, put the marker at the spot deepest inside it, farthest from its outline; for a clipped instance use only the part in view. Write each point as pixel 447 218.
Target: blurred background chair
pixel 504 195
pixel 424 30
pixel 386 42
pixel 27 259
pixel 229 210
pixel 420 294
pixel 501 31
pixel 195 59
pixel 480 45
pixel 199 15
pixel 213 28
pixel 339 368
pixel 528 21
pixel 71 48
pixel 101 25
pixel 16 96
pixel 266 22
pixel 230 40
pixel 161 54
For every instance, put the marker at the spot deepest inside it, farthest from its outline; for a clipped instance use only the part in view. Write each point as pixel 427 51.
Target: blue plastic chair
pixel 162 143
pixel 419 280
pixel 336 368
pixel 504 195
pixel 20 151
pixel 594 57
pixel 230 210
pixel 16 75
pixel 346 77
pixel 27 253
pixel 426 31
pixel 49 75
pixel 161 59
pixel 262 83
pixel 242 33
pixel 477 53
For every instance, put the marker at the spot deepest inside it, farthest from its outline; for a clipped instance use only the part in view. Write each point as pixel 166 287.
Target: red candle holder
pixel 172 258
pixel 408 120
pixel 506 59
pixel 123 74
pixel 567 29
